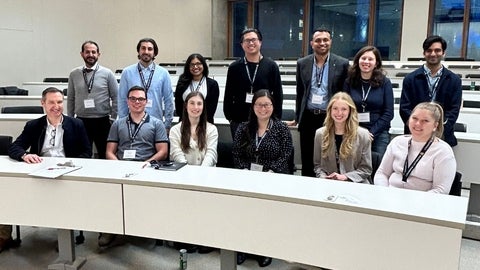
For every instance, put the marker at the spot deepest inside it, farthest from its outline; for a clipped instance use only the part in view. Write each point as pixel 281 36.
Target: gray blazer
pixel 358 168
pixel 337 73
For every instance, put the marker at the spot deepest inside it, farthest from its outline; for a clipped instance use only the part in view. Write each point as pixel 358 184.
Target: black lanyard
pixel 134 134
pixel 89 83
pixel 432 88
pixel 254 73
pixel 149 82
pixel 198 85
pixel 365 96
pixel 258 139
pixel 319 75
pixel 338 145
pixel 407 170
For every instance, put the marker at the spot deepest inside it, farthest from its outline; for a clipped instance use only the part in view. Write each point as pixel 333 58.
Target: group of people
pixel 343 115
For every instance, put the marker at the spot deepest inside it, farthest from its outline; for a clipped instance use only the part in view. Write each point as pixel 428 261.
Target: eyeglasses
pixel 264 105
pixel 53 133
pixel 194 65
pixel 252 40
pixel 135 99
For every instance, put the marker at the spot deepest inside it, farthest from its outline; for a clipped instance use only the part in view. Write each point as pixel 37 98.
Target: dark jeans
pixel 97 132
pixel 380 142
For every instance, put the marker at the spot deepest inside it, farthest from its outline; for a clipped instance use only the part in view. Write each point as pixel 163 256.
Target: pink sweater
pixel 433 173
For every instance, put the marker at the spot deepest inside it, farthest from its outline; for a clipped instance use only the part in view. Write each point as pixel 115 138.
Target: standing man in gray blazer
pixel 319 76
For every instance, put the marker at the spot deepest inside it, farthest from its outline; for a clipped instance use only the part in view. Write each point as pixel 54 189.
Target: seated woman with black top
pixel 342 148
pixel 420 161
pixel 264 143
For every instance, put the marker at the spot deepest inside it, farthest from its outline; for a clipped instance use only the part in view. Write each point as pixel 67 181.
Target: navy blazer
pixel 337 73
pixel 449 96
pixel 75 140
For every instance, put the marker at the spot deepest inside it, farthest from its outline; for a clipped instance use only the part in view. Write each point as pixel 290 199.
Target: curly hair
pixel 378 74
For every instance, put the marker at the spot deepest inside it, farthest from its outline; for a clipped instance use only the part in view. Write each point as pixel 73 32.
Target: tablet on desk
pixel 166 165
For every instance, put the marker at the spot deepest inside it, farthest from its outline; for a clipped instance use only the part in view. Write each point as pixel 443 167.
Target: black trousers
pixel 97 132
pixel 309 124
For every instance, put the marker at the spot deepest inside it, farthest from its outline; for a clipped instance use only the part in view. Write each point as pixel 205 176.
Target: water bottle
pixel 183 259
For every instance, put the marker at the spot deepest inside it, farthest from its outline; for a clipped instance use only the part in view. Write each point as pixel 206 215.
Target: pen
pixel 60 168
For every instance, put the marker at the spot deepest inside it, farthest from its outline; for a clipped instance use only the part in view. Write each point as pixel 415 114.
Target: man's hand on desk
pixel 31 158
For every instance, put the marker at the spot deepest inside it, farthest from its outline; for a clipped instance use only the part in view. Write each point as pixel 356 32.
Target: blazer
pixel 337 73
pixel 358 167
pixel 211 100
pixel 75 139
pixel 448 95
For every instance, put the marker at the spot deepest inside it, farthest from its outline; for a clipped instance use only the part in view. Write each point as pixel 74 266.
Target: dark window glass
pixel 448 23
pixel 281 24
pixel 473 49
pixel 388 20
pixel 240 10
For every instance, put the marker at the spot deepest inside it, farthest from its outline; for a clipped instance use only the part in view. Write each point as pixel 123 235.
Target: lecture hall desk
pixel 325 223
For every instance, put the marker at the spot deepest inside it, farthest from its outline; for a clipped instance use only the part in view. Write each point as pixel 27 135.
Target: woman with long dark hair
pixel 195 79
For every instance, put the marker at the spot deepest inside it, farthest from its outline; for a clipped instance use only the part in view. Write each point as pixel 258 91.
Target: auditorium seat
pixel 460 127
pixel 471 104
pixel 13 90
pixel 456 188
pixel 288 114
pixel 473 76
pixel 55 80
pixel 23 109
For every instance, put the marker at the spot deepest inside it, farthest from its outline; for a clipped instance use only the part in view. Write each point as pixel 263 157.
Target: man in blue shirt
pixel 153 78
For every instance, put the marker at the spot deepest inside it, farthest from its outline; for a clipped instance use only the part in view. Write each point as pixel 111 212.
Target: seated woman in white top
pixel 420 161
pixel 194 140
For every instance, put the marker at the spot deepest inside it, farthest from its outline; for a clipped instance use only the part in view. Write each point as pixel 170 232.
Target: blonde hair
pixel 437 114
pixel 351 127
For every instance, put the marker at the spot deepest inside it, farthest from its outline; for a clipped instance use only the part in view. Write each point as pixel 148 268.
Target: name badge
pixel 129 154
pixel 149 103
pixel 256 167
pixel 364 117
pixel 249 98
pixel 317 99
pixel 89 103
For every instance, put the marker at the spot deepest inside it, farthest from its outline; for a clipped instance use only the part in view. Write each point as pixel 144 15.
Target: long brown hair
pixel 351 127
pixel 201 130
pixel 378 74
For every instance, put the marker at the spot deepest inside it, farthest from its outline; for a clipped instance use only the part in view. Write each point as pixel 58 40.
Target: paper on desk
pixel 54 171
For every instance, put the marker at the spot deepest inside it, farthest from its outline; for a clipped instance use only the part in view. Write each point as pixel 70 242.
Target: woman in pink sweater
pixel 420 161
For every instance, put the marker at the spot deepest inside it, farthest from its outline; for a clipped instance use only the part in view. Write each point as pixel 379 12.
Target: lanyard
pixel 254 73
pixel 258 139
pixel 365 96
pixel 432 87
pixel 134 134
pixel 198 85
pixel 89 83
pixel 319 75
pixel 146 84
pixel 407 170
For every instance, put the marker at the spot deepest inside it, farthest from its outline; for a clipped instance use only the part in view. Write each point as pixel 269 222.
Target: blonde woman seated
pixel 420 161
pixel 194 140
pixel 342 148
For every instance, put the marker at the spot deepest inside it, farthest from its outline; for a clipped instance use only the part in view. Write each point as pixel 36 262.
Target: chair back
pixel 23 109
pixel 5 142
pixel 456 188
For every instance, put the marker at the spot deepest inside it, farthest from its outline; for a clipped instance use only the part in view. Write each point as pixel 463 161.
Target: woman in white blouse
pixel 194 140
pixel 421 161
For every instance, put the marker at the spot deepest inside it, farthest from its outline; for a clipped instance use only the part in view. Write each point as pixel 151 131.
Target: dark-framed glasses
pixel 135 99
pixel 263 105
pixel 195 65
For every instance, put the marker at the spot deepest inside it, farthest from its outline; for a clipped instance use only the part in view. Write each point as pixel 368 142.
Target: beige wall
pixel 414 28
pixel 42 38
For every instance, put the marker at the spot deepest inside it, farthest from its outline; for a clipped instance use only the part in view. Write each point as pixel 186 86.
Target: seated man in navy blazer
pixel 52 135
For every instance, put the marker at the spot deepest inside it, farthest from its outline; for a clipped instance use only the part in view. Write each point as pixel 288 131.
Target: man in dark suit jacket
pixel 319 76
pixel 54 135
pixel 433 82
